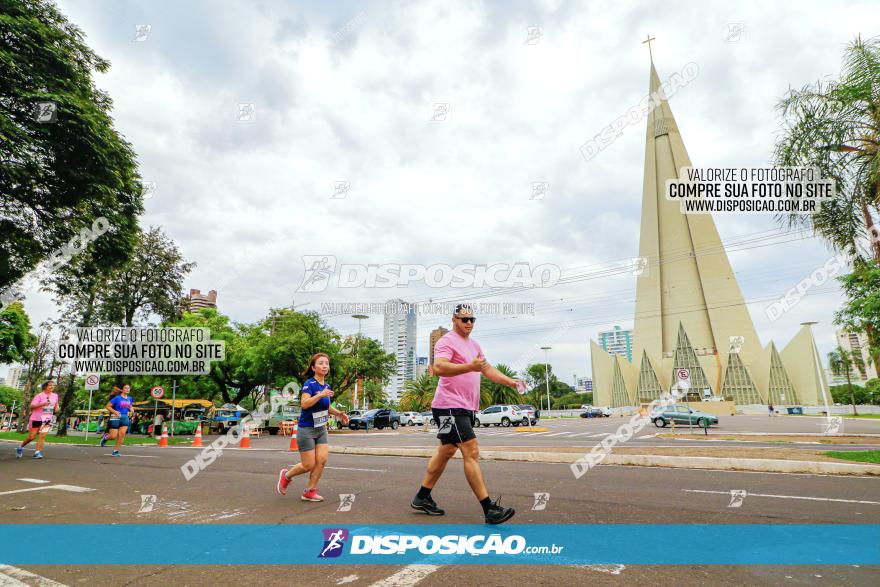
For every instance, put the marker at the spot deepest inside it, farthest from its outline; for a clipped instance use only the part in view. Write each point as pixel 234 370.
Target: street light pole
pixel 547 374
pixel 360 318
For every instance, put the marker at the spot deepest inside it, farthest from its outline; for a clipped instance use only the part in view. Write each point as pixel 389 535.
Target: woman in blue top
pixel 119 406
pixel 311 436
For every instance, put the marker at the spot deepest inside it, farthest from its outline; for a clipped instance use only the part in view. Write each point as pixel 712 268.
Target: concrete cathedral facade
pixel 690 313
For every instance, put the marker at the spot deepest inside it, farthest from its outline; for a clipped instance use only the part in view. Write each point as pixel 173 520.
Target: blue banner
pixel 442 544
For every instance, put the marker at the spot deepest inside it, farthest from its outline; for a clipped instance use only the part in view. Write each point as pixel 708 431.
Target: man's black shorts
pixel 456 425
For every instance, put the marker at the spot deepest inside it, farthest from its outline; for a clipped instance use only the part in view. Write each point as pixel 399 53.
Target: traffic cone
pixel 164 440
pixel 293 444
pixel 197 441
pixel 245 437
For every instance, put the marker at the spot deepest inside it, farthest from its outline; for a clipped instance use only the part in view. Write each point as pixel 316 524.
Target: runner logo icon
pixel 445 425
pixel 334 541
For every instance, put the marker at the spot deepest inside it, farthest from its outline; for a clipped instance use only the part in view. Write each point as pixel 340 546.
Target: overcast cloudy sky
pixel 345 91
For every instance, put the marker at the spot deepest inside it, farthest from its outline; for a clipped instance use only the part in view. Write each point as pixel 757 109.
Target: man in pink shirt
pixel 459 361
pixel 43 408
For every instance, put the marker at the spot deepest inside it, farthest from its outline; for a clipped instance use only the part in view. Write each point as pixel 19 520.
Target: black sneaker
pixel 426 505
pixel 498 514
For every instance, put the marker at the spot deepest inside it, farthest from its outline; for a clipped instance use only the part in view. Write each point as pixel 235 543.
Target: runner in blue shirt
pixel 311 436
pixel 119 406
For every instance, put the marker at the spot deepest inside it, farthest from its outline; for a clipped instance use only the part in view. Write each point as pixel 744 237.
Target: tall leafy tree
pixel 861 311
pixel 15 335
pixel 40 362
pixel 840 361
pixel 62 163
pixel 374 393
pixel 151 282
pixel 76 287
pixel 835 126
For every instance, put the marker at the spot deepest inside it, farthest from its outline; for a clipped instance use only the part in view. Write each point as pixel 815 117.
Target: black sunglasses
pixel 470 319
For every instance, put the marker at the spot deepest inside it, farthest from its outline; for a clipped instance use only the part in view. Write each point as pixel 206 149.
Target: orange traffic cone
pixel 245 437
pixel 197 441
pixel 293 444
pixel 164 440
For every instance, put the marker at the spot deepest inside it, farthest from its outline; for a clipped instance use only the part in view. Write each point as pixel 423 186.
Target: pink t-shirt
pixel 459 391
pixel 45 413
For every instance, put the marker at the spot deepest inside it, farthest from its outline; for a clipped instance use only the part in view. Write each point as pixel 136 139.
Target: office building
pixel 400 340
pixel 617 342
pixel 432 340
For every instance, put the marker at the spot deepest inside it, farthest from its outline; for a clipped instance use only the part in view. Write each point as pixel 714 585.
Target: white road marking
pixel 354 469
pixel 788 496
pixel 73 488
pixel 13 576
pixel 582 434
pixel 409 575
pixel 29 480
pixel 138 456
pixel 558 434
pixel 7 581
pixel 610 569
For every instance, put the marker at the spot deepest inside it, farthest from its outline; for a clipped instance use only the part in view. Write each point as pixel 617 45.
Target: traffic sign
pixel 93 380
pixel 683 374
pixel 157 392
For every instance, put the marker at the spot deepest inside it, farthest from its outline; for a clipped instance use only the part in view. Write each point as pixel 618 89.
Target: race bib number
pixel 320 418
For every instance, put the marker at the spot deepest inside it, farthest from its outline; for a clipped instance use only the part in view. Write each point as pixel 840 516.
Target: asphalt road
pixel 240 488
pixel 583 432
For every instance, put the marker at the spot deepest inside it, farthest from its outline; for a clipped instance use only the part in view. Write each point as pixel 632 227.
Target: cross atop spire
pixel 648 41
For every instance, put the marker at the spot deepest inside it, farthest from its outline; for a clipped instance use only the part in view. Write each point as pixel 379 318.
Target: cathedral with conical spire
pixel 690 313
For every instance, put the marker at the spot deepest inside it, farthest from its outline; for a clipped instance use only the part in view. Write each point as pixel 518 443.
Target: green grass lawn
pixel 93 439
pixel 869 416
pixel 861 456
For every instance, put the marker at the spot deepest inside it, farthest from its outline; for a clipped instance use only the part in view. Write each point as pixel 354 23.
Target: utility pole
pixel 547 373
pixel 360 318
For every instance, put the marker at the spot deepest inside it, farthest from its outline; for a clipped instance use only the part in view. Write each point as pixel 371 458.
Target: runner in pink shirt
pixel 43 408
pixel 459 361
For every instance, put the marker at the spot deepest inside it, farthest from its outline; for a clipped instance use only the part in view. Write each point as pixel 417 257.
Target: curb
pixel 724 464
pixel 96 445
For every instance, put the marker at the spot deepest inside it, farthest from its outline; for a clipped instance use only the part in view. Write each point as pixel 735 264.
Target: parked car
pixel 533 413
pixel 682 414
pixel 410 418
pixel 506 415
pixel 428 419
pixel 351 414
pixel 594 413
pixel 380 418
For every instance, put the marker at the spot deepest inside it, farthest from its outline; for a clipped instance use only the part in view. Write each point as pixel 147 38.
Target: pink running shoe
pixel 283 482
pixel 311 495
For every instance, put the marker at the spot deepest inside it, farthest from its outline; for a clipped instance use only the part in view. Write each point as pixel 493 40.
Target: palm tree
pixel 492 393
pixel 418 393
pixel 841 363
pixel 835 127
